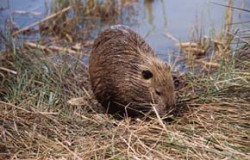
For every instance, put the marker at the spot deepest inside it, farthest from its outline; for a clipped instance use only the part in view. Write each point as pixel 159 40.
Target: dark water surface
pixel 154 18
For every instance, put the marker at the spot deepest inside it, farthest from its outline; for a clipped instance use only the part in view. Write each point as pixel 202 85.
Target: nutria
pixel 126 76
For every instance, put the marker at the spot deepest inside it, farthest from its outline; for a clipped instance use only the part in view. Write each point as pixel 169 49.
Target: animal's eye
pixel 147 74
pixel 174 77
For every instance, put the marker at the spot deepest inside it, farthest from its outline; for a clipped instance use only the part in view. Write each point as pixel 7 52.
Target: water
pixel 179 18
pixel 153 18
pixel 23 13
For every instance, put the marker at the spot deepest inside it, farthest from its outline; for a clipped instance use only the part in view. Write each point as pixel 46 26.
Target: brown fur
pixel 118 58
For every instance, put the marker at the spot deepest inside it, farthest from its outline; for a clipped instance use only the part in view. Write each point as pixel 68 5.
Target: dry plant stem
pixel 227 38
pixel 8 70
pixel 42 21
pixel 171 37
pixel 229 17
pixel 69 150
pixel 14 106
pixel 210 64
pixel 50 49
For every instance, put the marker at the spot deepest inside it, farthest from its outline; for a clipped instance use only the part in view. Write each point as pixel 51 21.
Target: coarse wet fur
pixel 127 77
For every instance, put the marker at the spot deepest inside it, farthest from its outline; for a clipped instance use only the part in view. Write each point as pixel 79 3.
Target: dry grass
pixel 38 122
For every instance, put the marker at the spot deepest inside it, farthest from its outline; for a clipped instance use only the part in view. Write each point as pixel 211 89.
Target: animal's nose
pixel 170 101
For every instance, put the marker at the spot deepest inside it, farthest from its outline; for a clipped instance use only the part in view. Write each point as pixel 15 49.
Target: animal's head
pixel 159 81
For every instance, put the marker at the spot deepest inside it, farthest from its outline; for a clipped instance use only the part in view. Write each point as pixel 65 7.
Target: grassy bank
pixel 38 120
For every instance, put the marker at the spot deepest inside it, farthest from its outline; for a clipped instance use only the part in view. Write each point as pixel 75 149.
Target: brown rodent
pixel 126 76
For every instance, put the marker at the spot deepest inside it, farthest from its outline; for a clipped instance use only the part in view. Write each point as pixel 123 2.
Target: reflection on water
pixel 151 18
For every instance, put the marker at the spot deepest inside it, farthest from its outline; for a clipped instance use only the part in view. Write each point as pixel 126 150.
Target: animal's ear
pixel 176 81
pixel 179 82
pixel 146 74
